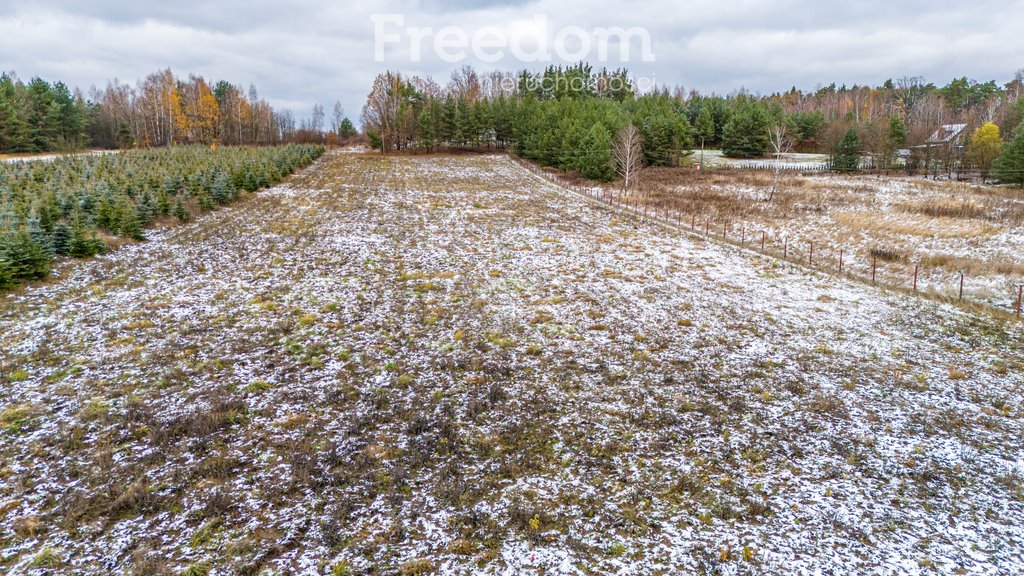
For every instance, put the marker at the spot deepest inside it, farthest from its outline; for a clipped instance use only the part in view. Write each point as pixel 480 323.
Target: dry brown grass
pixel 973 266
pixel 945 208
pixel 888 254
pixel 914 224
pixel 894 220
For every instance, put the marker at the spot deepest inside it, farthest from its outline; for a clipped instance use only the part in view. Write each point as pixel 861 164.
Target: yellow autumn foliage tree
pixel 199 122
pixel 985 146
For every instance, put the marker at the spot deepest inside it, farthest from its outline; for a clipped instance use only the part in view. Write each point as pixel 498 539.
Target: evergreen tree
pixel 84 244
pixel 6 275
pixel 666 138
pixel 205 201
pixel 897 133
pixel 180 212
pixel 163 203
pixel 128 224
pixel 61 239
pixel 807 127
pixel 465 127
pixel 106 218
pixel 145 210
pixel 15 132
pixel 481 120
pixel 846 156
pixel 449 121
pixel 571 149
pixel 1009 168
pixel 223 190
pixel 38 235
pixel 746 133
pixel 596 156
pixel 896 138
pixel 346 129
pixel 705 129
pixel 425 129
pixel 25 259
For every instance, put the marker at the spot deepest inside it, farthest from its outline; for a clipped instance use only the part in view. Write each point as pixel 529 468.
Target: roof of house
pixel 946 134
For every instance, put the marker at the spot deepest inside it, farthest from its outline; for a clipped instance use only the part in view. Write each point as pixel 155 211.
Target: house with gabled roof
pixel 947 134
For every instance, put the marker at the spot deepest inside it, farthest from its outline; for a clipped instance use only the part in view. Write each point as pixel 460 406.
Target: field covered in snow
pixel 789 161
pixel 447 365
pixel 896 224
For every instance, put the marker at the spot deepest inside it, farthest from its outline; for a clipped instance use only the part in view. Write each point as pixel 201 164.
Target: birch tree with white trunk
pixel 628 152
pixel 782 144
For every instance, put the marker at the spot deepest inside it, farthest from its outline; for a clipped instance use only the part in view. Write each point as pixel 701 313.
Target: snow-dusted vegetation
pixel 895 224
pixel 447 365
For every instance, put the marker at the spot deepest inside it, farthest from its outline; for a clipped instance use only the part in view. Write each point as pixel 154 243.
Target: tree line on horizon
pixel 160 110
pixel 569 117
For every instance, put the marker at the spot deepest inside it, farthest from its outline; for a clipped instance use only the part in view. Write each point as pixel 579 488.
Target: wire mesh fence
pixel 837 260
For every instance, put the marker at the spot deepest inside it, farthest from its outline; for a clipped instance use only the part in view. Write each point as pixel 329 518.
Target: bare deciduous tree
pixel 316 121
pixel 782 144
pixel 337 117
pixel 629 155
pixel 380 114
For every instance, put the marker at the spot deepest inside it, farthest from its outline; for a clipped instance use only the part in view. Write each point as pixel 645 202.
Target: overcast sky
pixel 302 52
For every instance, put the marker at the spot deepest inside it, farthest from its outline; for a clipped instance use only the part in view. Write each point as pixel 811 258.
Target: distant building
pixel 942 151
pixel 947 135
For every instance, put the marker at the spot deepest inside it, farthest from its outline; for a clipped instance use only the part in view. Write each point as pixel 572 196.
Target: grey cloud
pixel 305 52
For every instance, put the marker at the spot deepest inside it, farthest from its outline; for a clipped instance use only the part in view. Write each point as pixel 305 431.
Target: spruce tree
pixel 666 138
pixel 15 128
pixel 106 213
pixel 163 203
pixel 61 239
pixel 425 129
pixel 705 128
pixel 223 189
pixel 1009 168
pixel 449 121
pixel 6 274
pixel 347 129
pixel 83 244
pixel 846 156
pixel 596 155
pixel 25 259
pixel 128 224
pixel 746 133
pixel 145 210
pixel 180 212
pixel 38 235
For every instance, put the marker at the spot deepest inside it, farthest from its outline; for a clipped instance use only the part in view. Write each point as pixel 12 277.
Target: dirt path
pixel 402 364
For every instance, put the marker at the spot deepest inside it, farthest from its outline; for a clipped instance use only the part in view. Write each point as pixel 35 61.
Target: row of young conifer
pixel 66 207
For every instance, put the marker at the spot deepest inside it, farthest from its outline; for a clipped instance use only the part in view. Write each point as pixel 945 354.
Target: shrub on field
pixel 23 257
pixel 887 254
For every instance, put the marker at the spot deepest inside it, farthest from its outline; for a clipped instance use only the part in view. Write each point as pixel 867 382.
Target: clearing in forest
pixel 444 364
